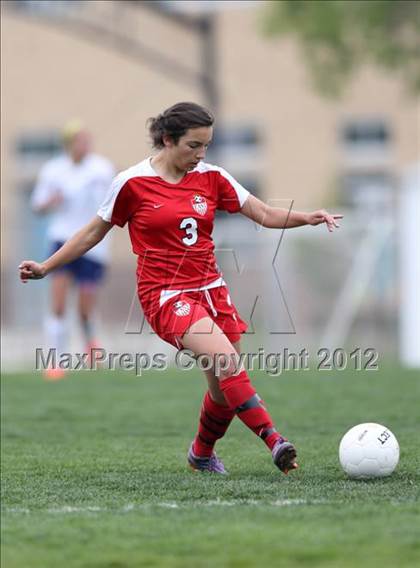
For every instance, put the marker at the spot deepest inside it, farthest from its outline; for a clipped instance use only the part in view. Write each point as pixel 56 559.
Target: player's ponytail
pixel 176 120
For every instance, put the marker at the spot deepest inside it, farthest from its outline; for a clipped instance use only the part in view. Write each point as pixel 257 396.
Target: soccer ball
pixel 369 450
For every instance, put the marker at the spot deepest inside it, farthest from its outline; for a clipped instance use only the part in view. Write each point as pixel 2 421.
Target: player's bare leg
pixel 88 294
pixel 55 325
pixel 205 338
pixel 60 285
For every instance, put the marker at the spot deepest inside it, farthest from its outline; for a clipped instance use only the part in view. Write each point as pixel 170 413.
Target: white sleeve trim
pixel 107 207
pixel 241 192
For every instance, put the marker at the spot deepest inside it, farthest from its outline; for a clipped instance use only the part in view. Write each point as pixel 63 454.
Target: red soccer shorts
pixel 177 315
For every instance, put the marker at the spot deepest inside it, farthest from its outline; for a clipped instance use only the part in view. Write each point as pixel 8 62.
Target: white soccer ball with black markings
pixel 369 450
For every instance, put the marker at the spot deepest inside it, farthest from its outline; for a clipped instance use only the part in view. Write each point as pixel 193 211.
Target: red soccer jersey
pixel 171 224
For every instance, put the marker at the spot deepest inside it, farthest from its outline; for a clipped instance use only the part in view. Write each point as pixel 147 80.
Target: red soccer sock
pixel 241 396
pixel 214 421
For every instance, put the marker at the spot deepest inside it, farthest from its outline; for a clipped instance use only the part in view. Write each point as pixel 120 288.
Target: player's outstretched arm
pixel 85 239
pixel 49 204
pixel 276 218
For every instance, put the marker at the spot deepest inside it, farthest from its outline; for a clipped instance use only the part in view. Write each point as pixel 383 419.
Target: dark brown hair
pixel 176 120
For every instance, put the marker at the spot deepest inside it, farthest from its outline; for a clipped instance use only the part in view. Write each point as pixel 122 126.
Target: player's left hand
pixel 322 216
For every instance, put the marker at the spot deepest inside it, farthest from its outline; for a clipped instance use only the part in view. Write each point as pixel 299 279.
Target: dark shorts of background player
pixel 177 315
pixel 85 271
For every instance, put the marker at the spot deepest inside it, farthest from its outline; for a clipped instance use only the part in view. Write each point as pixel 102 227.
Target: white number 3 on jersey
pixel 190 226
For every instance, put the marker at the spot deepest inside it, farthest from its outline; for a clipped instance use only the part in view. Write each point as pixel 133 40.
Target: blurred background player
pixel 70 188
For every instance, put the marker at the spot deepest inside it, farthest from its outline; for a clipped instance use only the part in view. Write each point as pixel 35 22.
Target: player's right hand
pixel 31 270
pixel 56 200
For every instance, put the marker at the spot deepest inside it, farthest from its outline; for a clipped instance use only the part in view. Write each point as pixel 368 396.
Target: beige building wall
pixel 266 80
pixel 49 75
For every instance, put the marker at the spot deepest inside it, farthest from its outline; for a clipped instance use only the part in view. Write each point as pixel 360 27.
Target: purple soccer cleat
pixel 284 455
pixel 212 464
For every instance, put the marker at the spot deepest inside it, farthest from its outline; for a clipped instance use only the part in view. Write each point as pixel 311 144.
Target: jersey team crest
pixel 199 204
pixel 182 308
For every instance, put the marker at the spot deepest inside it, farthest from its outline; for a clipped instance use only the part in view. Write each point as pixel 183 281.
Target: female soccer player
pixel 169 201
pixel 70 188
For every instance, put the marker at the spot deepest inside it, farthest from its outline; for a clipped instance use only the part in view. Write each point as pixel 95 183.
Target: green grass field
pixel 94 475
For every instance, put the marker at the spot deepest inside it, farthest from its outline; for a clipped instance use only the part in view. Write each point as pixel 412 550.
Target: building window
pixel 369 189
pixel 366 177
pixel 40 145
pixel 32 150
pixel 238 149
pixel 366 133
